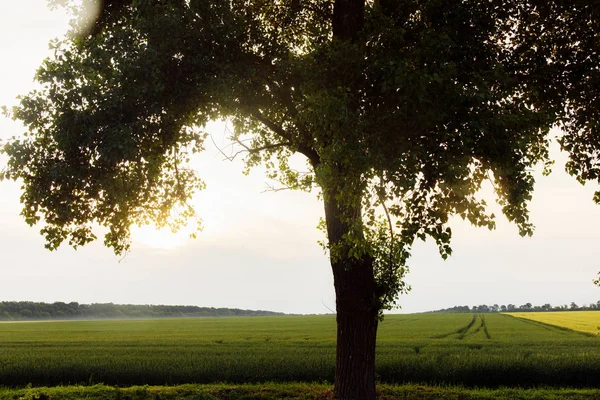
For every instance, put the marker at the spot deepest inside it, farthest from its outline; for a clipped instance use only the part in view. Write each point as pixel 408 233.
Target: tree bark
pixel 348 19
pixel 357 303
pixel 357 311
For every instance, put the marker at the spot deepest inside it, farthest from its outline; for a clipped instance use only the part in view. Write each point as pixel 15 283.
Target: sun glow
pixel 163 239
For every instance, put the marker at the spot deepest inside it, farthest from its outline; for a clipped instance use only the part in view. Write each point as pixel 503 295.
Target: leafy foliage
pixel 28 310
pixel 400 126
pixel 528 307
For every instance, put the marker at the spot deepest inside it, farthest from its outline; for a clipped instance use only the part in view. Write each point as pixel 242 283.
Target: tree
pixel 526 307
pixel 401 108
pixel 483 308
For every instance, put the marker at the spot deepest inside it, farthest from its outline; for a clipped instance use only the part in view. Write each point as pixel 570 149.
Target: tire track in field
pixel 467 330
pixel 459 331
pixel 482 325
pixel 485 328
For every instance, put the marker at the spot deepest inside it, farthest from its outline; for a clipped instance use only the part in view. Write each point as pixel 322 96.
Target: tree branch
pixel 252 150
pixel 380 194
pixel 272 188
pixel 248 149
pixel 307 151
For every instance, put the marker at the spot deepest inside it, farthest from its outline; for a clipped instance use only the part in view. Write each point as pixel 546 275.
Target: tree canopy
pixel 430 100
pixel 402 108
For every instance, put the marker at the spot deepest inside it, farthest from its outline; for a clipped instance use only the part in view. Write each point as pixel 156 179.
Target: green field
pixel 489 350
pixel 287 391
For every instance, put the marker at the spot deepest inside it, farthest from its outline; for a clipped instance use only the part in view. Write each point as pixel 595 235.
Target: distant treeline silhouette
pixel 27 310
pixel 528 307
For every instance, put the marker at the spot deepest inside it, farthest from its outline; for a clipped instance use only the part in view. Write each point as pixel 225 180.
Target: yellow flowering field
pixel 583 321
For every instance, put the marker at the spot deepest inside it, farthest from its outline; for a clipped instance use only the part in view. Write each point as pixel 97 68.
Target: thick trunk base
pixel 355 359
pixel 357 303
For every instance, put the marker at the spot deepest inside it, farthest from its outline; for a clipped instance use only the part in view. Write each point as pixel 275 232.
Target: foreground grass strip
pixel 293 391
pixel 582 321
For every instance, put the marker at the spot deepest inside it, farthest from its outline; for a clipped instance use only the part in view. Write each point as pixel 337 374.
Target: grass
pixel 491 350
pixel 582 321
pixel 276 391
pixel 485 350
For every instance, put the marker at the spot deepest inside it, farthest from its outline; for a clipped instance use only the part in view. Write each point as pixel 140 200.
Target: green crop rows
pixel 474 350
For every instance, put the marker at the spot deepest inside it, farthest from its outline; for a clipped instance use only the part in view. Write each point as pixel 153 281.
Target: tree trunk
pixel 356 332
pixel 357 312
pixel 357 303
pixel 348 18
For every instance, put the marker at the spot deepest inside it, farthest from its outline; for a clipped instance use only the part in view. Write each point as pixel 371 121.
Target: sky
pixel 259 249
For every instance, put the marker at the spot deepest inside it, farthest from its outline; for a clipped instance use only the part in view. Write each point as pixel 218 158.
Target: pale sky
pixel 259 250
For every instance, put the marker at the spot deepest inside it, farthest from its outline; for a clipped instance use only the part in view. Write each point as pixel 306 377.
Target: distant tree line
pixel 527 307
pixel 27 310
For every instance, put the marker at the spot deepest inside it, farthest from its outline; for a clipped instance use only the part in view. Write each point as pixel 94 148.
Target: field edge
pixel 289 391
pixel 590 330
